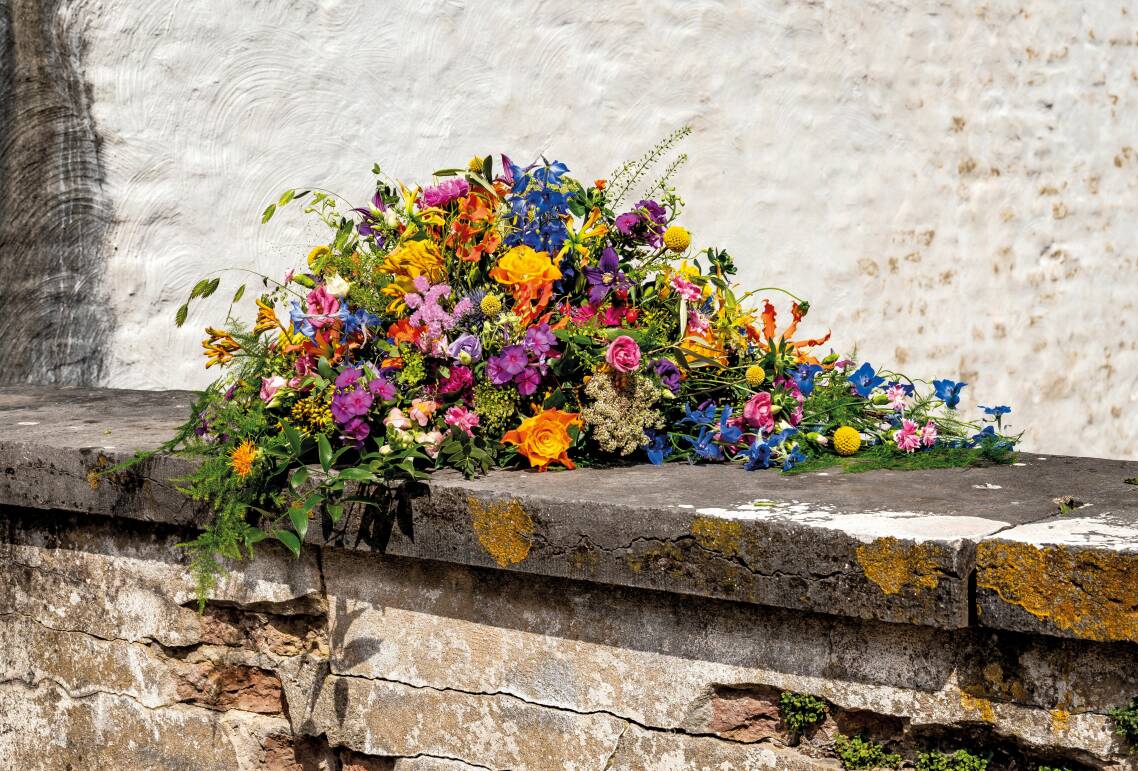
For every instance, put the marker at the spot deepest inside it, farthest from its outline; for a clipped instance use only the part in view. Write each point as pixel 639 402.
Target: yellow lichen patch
pixel 982 707
pixel 1088 593
pixel 718 534
pixel 504 529
pixel 1060 719
pixel 894 565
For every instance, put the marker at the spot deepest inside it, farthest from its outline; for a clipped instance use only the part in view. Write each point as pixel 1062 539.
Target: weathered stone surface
pixel 497 731
pixel 641 750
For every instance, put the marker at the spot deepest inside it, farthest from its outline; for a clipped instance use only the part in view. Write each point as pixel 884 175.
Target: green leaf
pixel 357 475
pixel 292 436
pixel 199 288
pixel 239 293
pixel 298 478
pixel 325 450
pixel 269 212
pixel 448 172
pixel 299 519
pixel 211 287
pixel 325 369
pixel 335 511
pixel 254 535
pixel 289 540
pixel 180 316
pixel 286 196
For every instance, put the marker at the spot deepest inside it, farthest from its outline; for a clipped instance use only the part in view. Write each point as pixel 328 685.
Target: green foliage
pixel 858 753
pixel 1126 721
pixel 884 456
pixel 961 760
pixel 801 710
pixel 1052 768
pixel 629 174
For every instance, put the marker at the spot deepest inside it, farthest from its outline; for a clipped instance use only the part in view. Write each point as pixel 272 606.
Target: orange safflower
pixel 544 438
pixel 242 458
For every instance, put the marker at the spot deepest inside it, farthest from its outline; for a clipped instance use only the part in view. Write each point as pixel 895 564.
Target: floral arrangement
pixel 516 316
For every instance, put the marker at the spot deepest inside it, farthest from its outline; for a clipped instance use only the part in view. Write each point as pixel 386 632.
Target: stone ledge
pixel 901 547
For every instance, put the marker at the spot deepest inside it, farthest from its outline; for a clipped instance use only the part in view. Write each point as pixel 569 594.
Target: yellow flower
pixel 266 317
pixel 407 262
pixel 677 239
pixel 316 254
pixel 846 440
pixel 491 305
pixel 523 266
pixel 755 376
pixel 219 346
pixel 475 165
pixel 544 438
pixel 242 458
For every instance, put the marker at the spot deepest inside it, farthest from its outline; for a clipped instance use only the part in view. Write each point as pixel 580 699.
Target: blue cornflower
pixel 657 447
pixel 803 376
pixel 699 417
pixel 865 379
pixel 758 455
pixel 997 412
pixel 948 391
pixel 705 446
pixel 793 458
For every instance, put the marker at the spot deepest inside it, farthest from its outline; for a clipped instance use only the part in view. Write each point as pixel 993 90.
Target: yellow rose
pixel 522 265
pixel 544 438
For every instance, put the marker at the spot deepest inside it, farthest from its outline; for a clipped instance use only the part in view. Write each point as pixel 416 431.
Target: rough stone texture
pixel 887 545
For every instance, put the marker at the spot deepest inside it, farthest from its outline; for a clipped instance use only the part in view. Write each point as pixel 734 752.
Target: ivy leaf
pixel 292 436
pixel 325 451
pixel 289 540
pixel 180 316
pixel 269 212
pixel 325 369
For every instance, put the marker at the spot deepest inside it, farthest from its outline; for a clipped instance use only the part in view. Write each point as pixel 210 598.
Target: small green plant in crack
pixel 858 753
pixel 801 711
pixel 1126 722
pixel 1052 768
pixel 961 760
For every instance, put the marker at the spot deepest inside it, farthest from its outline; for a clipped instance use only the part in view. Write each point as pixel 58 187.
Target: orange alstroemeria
pixel 530 276
pixel 544 438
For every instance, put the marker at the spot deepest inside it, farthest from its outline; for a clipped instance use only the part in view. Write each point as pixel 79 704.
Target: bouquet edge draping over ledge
pixel 517 316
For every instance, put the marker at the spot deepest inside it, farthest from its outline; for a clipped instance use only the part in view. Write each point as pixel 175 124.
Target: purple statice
pixel 646 222
pixel 668 373
pixel 466 348
pixel 540 339
pixel 605 277
pixel 507 365
pixel 445 192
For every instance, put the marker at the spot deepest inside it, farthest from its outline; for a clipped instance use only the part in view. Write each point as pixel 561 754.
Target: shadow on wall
pixel 54 214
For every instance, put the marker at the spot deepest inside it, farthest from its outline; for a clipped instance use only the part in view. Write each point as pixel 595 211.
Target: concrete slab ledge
pixel 943 548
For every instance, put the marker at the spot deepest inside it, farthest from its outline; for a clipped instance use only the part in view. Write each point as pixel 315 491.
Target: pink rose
pixel 270 386
pixel 757 412
pixel 623 354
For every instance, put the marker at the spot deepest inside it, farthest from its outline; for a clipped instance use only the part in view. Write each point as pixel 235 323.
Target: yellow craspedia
pixel 491 305
pixel 755 376
pixel 316 254
pixel 677 239
pixel 846 440
pixel 475 165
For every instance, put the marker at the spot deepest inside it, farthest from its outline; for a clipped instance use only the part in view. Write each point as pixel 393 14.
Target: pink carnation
pixel 896 396
pixel 907 438
pixel 461 418
pixel 623 354
pixel 928 434
pixel 689 291
pixel 757 412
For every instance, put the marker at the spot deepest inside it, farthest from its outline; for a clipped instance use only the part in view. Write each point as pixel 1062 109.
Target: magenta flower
pixel 270 386
pixel 459 379
pixel 461 418
pixel 897 397
pixel 527 381
pixel 928 434
pixel 445 192
pixel 907 438
pixel 688 291
pixel 644 223
pixel 623 354
pixel 349 404
pixel 382 388
pixel 757 412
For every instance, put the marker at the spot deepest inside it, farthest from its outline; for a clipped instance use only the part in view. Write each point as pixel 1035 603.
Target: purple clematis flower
pixel 605 277
pixel 372 217
pixel 668 373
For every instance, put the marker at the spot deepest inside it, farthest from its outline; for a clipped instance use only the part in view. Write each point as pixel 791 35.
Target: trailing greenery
pixel 961 760
pixel 1126 722
pixel 858 753
pixel 888 457
pixel 801 711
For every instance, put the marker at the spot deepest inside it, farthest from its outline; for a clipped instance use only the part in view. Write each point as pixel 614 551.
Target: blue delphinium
pixel 864 379
pixel 704 445
pixel 704 416
pixel 803 376
pixel 657 447
pixel 948 391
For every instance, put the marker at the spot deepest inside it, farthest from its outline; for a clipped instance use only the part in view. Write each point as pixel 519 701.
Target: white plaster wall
pixel 952 184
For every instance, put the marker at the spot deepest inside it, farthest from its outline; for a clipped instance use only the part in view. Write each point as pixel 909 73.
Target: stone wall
pixel 953 185
pixel 581 620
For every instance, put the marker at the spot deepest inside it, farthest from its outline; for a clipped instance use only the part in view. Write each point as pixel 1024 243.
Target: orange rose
pixel 523 266
pixel 544 438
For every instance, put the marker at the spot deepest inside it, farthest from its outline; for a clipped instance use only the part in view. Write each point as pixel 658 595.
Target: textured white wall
pixel 952 184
